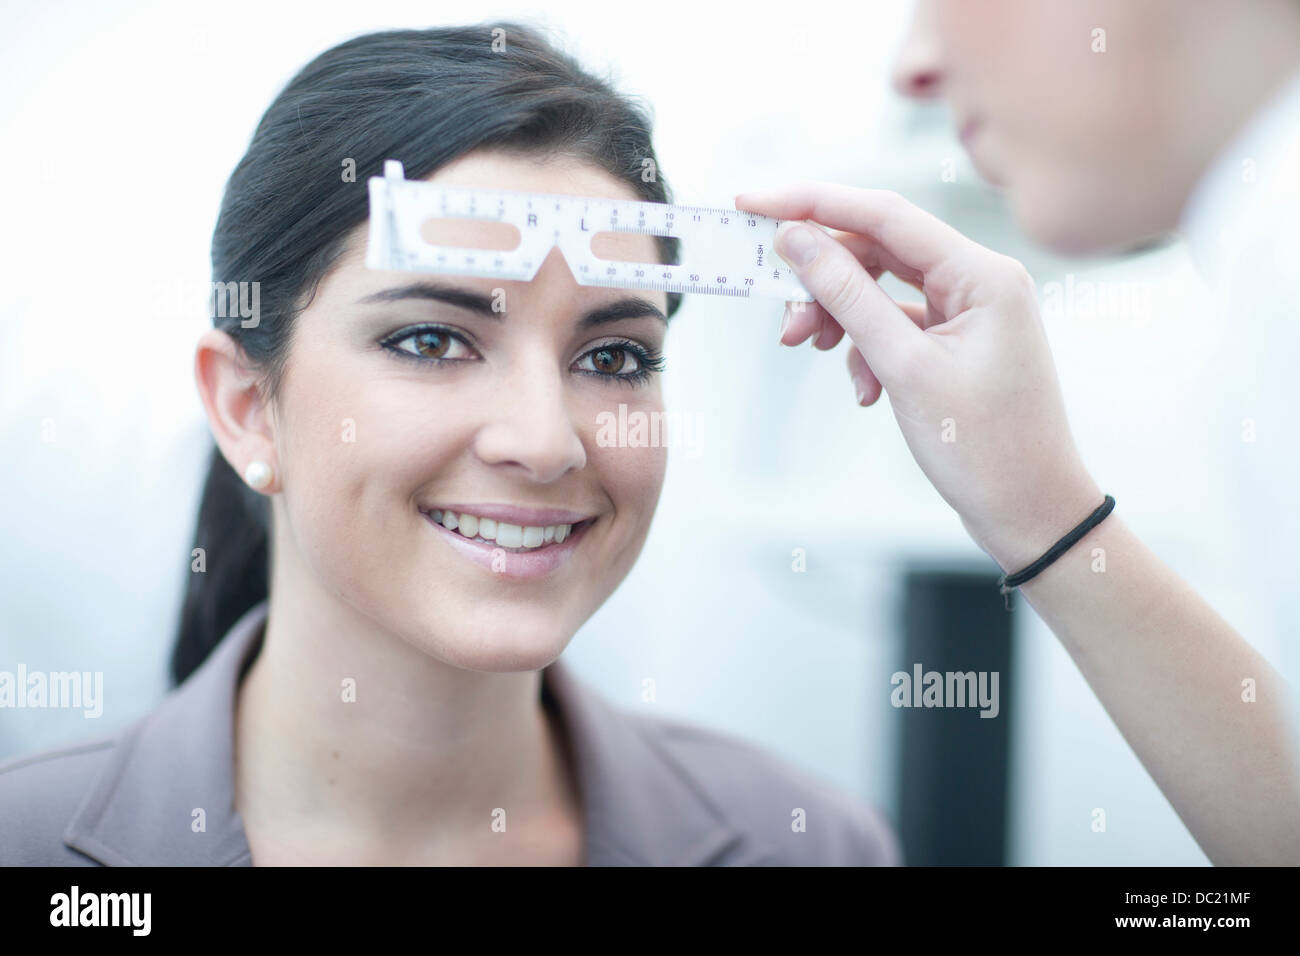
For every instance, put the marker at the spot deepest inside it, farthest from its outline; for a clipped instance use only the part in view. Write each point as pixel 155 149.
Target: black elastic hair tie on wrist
pixel 1009 581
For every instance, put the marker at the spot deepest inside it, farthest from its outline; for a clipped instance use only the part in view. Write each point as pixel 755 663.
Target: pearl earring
pixel 258 474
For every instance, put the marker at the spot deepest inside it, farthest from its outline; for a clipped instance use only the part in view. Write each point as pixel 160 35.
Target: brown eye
pixel 609 360
pixel 626 362
pixel 432 344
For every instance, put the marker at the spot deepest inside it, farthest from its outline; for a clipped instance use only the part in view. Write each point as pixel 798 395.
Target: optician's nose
pixel 531 428
pixel 918 72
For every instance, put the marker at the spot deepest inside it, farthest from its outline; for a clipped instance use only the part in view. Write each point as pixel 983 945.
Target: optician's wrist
pixel 1026 534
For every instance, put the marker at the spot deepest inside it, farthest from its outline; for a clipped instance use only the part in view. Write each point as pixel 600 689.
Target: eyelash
pixel 649 360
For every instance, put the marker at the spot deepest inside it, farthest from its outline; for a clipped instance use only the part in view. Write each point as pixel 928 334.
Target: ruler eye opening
pixel 609 246
pixel 462 232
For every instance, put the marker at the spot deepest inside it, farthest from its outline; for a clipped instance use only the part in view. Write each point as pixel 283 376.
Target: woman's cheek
pixel 635 477
pixel 630 435
pixel 329 447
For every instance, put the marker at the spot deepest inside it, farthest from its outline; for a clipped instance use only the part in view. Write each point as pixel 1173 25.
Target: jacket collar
pixel 641 807
pixel 165 797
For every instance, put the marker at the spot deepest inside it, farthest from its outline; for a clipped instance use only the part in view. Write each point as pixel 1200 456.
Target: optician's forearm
pixel 1174 676
pixel 974 361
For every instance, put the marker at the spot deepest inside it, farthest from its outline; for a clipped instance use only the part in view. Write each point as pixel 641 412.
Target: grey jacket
pixel 654 791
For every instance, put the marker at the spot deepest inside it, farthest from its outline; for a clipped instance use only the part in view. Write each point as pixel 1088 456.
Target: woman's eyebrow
pixel 631 307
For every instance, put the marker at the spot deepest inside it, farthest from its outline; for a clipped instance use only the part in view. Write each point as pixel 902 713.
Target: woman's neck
pixel 350 742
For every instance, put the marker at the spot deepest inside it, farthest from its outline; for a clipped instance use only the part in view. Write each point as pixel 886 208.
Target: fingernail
pixel 785 324
pixel 859 388
pixel 798 246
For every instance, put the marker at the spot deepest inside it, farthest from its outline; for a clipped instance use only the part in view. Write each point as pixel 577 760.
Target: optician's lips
pixel 971 133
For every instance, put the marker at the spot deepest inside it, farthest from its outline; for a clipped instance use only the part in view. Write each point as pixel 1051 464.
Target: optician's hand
pixel 968 372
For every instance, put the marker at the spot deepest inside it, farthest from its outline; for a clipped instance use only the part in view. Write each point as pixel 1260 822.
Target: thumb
pixel 886 336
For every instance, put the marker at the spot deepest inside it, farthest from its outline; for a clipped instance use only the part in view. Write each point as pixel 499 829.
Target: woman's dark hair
pixel 424 97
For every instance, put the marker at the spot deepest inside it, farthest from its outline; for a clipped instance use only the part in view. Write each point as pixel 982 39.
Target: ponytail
pixel 233 533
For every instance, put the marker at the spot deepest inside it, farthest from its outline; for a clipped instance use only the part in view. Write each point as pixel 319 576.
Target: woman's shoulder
pixel 661 790
pixel 805 819
pixel 128 797
pixel 40 793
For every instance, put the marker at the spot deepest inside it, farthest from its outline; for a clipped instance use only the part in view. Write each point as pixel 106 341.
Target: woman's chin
pixel 499 650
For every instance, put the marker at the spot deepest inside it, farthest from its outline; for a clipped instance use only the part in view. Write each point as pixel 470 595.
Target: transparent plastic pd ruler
pixel 724 252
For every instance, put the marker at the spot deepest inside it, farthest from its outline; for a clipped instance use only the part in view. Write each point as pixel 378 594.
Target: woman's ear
pixel 242 423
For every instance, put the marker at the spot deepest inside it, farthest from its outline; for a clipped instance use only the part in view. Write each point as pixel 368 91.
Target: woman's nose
pixel 917 72
pixel 532 429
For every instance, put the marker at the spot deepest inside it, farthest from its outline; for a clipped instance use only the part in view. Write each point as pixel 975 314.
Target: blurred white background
pixel 122 122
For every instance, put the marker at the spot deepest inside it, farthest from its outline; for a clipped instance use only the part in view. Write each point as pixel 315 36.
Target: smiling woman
pixel 368 665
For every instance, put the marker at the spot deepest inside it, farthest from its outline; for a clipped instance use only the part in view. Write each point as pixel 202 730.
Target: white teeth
pixel 489 531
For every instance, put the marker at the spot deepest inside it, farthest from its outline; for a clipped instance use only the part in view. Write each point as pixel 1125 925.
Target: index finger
pixel 916 238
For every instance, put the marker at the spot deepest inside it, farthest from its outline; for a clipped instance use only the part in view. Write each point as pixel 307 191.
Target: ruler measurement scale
pixel 723 251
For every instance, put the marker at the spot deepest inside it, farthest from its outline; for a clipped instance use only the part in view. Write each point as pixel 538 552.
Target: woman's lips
pixel 514 514
pixel 514 564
